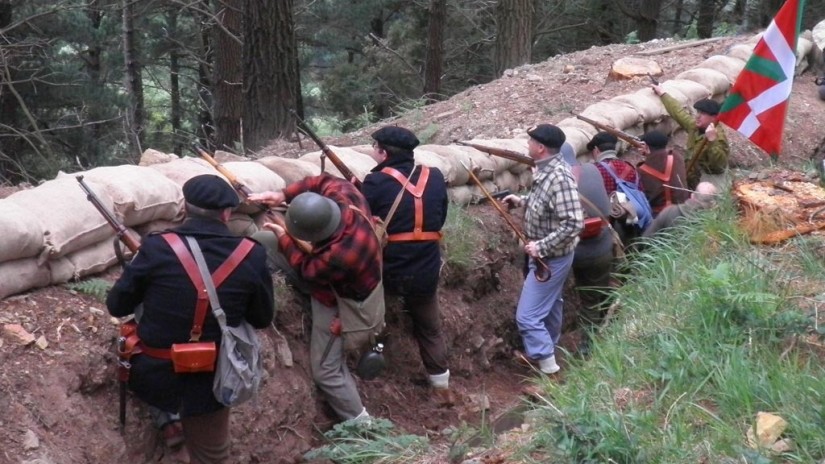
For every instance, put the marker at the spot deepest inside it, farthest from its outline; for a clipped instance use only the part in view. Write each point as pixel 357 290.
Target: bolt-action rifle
pixel 327 152
pixel 274 216
pixel 501 152
pixel 542 270
pixel 631 139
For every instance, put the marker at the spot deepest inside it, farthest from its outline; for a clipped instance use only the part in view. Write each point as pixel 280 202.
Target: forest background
pixel 88 83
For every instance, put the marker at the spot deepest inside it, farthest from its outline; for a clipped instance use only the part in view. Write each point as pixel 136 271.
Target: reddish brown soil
pixel 66 395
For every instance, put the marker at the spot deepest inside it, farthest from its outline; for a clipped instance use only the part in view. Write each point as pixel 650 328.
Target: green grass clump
pixel 371 441
pixel 705 337
pixel 94 287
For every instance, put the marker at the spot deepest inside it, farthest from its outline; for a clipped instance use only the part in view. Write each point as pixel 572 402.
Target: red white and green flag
pixel 758 101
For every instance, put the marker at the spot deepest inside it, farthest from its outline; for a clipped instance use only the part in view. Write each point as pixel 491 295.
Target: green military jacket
pixel 715 155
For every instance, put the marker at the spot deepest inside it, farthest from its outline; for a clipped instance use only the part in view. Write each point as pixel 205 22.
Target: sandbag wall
pixel 53 234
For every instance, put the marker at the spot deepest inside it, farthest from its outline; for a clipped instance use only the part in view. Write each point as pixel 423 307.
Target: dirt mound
pixel 58 403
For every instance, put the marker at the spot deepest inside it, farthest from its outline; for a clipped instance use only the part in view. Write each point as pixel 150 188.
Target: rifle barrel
pixel 501 152
pixel 132 243
pixel 345 171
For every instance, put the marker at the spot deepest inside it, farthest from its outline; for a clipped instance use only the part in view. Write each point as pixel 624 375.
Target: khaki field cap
pixel 312 217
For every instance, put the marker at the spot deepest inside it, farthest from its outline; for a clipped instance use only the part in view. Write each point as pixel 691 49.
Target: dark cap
pixel 209 191
pixel 655 140
pixel 602 138
pixel 547 135
pixel 395 136
pixel 707 106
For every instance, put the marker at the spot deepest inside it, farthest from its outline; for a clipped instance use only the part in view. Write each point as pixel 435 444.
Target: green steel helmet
pixel 312 217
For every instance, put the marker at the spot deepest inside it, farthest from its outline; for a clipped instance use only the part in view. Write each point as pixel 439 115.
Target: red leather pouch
pixel 194 357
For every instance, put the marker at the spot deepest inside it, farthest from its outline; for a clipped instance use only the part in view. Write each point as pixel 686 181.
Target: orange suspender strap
pixel 664 177
pixel 417 191
pixel 221 273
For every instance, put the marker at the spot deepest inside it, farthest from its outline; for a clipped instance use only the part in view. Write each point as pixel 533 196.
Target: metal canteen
pixel 371 363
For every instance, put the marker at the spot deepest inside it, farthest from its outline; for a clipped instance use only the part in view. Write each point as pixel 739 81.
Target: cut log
pixel 629 67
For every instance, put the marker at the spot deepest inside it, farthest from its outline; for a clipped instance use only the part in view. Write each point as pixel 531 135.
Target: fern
pixel 96 288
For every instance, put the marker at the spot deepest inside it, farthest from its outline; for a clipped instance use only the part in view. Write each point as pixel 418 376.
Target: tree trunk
pixel 677 17
pixel 270 72
pixel 704 22
pixel 8 110
pixel 434 62
pixel 227 83
pixel 206 124
pixel 647 22
pixel 133 80
pixel 514 35
pixel 174 83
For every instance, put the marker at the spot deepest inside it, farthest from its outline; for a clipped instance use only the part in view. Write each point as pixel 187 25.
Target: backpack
pixel 635 196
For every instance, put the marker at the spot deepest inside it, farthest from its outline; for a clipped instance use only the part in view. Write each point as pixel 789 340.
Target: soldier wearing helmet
pixel 344 262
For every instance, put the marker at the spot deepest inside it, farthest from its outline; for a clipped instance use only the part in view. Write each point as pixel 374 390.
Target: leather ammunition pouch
pixel 194 357
pixel 128 345
pixel 592 228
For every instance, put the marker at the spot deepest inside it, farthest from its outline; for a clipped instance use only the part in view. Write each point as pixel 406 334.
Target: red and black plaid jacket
pixel 622 168
pixel 350 260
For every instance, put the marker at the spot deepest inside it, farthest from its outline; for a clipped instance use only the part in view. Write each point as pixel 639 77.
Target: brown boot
pixel 443 397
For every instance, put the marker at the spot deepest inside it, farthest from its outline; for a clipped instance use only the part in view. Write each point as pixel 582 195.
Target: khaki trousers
pixel 207 437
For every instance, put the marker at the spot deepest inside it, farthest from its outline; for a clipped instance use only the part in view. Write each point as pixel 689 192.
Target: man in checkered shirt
pixel 553 219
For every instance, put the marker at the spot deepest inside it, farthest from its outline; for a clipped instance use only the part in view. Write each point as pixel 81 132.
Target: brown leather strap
pixel 191 268
pixel 159 353
pixel 664 177
pixel 417 191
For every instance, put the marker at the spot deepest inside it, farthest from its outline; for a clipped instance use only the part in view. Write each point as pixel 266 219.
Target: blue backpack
pixel 634 195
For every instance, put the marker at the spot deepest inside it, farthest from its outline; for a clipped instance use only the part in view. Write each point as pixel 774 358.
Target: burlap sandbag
pixel 81 263
pixel 359 163
pixel 482 164
pixel 451 156
pixel 140 194
pixel 22 274
pixel 818 34
pixel 291 170
pixel 256 177
pixel 22 232
pixel 692 90
pixel 617 113
pixel 466 194
pixel 156 226
pixel 741 51
pixel 183 169
pixel 68 220
pixel 646 103
pixel 577 136
pixel 503 164
pixel 508 181
pixel 715 81
pixel 151 156
pixel 433 160
pixel 727 65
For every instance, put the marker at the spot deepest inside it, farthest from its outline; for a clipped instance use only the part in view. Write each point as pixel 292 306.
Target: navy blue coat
pixel 156 278
pixel 409 267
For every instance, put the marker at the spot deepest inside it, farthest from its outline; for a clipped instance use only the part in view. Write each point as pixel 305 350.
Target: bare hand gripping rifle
pixel 542 271
pixel 133 244
pixel 274 216
pixel 326 151
pixel 631 139
pixel 501 152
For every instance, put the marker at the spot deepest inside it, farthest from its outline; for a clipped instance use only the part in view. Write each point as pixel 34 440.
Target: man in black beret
pixel 412 258
pixel 157 280
pixel 662 172
pixel 706 143
pixel 553 218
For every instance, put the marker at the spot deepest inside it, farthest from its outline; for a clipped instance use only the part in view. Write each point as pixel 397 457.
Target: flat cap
pixel 547 135
pixel 655 140
pixel 395 136
pixel 602 138
pixel 707 106
pixel 209 191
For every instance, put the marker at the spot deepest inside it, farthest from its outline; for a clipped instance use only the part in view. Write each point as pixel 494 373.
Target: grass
pixel 707 336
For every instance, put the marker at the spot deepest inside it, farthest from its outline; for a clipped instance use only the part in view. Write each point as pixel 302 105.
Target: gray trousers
pixel 207 437
pixel 332 376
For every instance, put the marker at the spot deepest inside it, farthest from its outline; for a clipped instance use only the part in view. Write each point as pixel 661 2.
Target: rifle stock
pixel 338 162
pixel 501 152
pixel 123 234
pixel 631 139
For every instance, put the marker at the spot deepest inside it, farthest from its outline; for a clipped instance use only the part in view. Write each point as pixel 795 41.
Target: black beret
pixel 602 138
pixel 395 136
pixel 707 106
pixel 209 191
pixel 655 140
pixel 547 135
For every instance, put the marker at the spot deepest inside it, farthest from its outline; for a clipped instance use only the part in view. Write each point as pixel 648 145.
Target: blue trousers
pixel 540 308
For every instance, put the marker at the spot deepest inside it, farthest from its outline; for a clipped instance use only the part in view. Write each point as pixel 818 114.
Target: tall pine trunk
pixel 133 80
pixel 434 62
pixel 227 83
pixel 514 34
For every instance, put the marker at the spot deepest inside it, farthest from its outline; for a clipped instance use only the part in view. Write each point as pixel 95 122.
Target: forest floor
pixel 58 401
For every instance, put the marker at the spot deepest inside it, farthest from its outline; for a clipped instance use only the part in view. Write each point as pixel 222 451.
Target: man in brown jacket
pixel 662 173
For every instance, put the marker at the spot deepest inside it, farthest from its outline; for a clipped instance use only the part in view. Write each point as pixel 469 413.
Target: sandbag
pixel 617 113
pixel 182 169
pixel 500 163
pixel 433 160
pixel 727 65
pixel 18 222
pixel 466 194
pixel 256 177
pixel 22 274
pixel 818 34
pixel 151 156
pixel 140 194
pixel 68 220
pixel 577 136
pixel 741 51
pixel 692 90
pixel 715 81
pixel 81 263
pixel 291 170
pixel 646 103
pixel 451 156
pixel 359 163
pixel 508 181
pixel 156 226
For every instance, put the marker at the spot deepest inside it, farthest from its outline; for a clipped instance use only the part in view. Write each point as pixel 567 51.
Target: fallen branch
pixel 659 51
